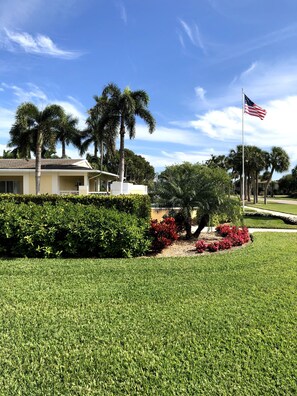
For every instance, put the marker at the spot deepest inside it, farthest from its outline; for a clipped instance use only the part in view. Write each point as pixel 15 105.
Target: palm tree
pixel 189 186
pixel 101 135
pixel 39 127
pixel 121 111
pixel 68 132
pixel 279 161
pixel 21 141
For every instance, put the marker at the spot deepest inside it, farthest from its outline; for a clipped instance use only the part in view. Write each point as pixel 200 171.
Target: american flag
pixel 252 109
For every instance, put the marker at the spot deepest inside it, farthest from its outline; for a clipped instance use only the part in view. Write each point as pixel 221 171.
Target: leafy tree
pixel 137 169
pixel 277 161
pixel 121 111
pixel 37 129
pixel 190 186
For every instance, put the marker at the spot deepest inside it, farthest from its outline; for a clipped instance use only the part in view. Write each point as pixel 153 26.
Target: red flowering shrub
pixel 201 246
pixel 225 244
pixel 233 236
pixel 163 234
pixel 213 247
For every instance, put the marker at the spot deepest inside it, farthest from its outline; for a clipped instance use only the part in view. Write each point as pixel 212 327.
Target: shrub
pixel 201 246
pixel 233 236
pixel 69 229
pixel 138 205
pixel 163 234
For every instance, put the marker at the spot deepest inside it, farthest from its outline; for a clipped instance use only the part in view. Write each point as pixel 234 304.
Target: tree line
pixel 114 114
pixel 259 165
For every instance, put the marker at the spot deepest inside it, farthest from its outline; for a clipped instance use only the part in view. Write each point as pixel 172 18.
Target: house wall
pixel 45 184
pixel 70 183
pixel 32 188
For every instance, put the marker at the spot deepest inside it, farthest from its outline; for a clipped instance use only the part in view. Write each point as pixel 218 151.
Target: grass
pixel 266 222
pixel 276 207
pixel 222 324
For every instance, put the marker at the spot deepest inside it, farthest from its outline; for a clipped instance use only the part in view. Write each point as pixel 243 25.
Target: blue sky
pixel 193 57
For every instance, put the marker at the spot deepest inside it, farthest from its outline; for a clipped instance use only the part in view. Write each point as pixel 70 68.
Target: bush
pixel 162 234
pixel 232 236
pixel 69 229
pixel 138 205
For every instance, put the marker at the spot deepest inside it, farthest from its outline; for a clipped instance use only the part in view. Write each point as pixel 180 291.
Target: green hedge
pixel 69 229
pixel 138 205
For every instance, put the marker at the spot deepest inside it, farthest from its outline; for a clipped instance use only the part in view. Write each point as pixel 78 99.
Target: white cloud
pixel 123 12
pixel 41 45
pixel 166 158
pixel 200 92
pixel 277 129
pixel 193 34
pixel 168 135
pixel 6 121
pixel 32 93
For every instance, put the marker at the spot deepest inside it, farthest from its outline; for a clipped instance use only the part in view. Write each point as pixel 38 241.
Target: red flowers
pixel 163 234
pixel 233 236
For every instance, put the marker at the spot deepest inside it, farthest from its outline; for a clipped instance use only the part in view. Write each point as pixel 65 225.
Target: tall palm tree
pixel 121 111
pixel 39 127
pixel 67 132
pixel 101 135
pixel 278 161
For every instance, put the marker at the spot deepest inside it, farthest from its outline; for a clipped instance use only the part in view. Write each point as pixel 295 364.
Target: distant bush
pixel 69 229
pixel 138 205
pixel 163 234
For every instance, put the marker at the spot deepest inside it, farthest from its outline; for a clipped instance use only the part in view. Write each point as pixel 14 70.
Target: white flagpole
pixel 242 137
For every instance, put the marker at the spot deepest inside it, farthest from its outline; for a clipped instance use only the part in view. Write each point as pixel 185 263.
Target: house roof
pixel 76 164
pixel 48 165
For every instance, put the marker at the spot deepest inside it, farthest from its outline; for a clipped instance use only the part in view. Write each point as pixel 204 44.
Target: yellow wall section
pixel 46 184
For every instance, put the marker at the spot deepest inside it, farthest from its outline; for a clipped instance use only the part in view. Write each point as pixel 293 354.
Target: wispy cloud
pixel 40 45
pixel 166 158
pixel 30 93
pixel 123 12
pixel 193 34
pixel 6 121
pixel 260 42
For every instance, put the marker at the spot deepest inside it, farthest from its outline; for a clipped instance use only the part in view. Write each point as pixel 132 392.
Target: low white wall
pixel 128 188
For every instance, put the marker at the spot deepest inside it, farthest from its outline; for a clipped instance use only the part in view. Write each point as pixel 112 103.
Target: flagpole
pixel 242 143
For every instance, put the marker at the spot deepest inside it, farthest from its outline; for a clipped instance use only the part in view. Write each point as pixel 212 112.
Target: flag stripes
pixel 252 109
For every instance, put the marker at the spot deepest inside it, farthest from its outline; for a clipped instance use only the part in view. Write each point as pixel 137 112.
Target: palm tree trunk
pixel 39 142
pixel 63 149
pixel 122 153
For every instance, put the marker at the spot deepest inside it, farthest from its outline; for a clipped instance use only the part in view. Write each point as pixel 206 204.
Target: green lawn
pixel 221 324
pixel 266 222
pixel 277 207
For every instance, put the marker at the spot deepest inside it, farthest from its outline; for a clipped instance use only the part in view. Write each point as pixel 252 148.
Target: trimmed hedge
pixel 138 205
pixel 285 219
pixel 70 229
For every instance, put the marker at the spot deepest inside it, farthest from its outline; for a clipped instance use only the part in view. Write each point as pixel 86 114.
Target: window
pixel 9 186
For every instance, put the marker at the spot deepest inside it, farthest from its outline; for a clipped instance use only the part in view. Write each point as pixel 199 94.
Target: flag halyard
pixel 252 109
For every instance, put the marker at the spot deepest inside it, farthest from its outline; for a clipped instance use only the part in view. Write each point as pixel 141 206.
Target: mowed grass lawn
pixel 266 222
pixel 220 324
pixel 277 207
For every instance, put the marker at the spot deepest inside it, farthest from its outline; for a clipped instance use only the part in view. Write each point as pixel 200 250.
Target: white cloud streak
pixel 193 35
pixel 123 12
pixel 39 45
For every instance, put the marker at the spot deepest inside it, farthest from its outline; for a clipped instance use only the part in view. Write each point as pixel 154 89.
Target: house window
pixel 9 186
